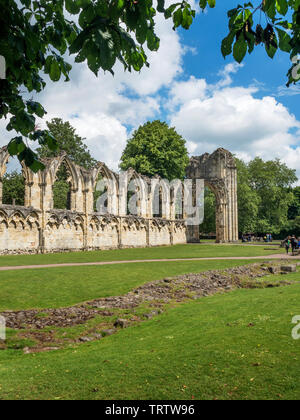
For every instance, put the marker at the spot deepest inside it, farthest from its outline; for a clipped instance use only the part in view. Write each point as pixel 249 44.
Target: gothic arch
pixel 28 175
pixel 75 179
pixel 219 173
pixel 161 198
pixel 111 187
pixel 131 183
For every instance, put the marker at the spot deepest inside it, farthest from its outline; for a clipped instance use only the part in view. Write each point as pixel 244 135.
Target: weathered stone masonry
pixel 37 227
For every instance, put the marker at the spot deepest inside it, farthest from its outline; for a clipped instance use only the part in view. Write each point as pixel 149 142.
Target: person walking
pixel 287 245
pixel 293 243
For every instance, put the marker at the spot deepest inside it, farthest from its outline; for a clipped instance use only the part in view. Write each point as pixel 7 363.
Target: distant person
pixel 293 243
pixel 287 245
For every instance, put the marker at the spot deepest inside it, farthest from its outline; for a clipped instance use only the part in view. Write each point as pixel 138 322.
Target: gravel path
pixel 264 257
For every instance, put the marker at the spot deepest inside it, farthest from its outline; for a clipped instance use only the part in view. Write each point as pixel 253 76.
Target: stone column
pixel 1 192
pixel 229 207
pixel 193 234
pixel 236 237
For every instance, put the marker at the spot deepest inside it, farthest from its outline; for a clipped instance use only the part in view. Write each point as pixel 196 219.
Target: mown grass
pixel 232 346
pixel 65 286
pixel 167 252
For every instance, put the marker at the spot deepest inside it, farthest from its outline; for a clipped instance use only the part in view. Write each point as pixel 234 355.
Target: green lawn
pixel 177 251
pixel 61 287
pixel 232 346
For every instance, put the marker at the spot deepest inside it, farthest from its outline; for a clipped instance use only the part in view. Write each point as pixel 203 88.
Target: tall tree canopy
pixel 76 149
pixel 35 37
pixel 272 182
pixel 156 149
pixel 69 142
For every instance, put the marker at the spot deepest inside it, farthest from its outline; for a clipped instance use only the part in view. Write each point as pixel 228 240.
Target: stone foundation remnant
pixel 37 227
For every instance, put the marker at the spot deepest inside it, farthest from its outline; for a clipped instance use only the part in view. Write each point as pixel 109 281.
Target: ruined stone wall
pixel 37 227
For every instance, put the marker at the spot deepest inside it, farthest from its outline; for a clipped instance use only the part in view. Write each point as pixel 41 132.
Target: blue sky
pixel 210 101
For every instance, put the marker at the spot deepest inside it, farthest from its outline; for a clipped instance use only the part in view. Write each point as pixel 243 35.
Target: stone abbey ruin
pixel 37 227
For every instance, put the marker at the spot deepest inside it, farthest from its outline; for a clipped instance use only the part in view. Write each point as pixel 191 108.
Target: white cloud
pixel 225 74
pixel 221 115
pixel 103 109
pixel 106 136
pixel 288 91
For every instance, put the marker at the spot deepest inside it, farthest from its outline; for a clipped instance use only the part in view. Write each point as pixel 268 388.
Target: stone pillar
pixel 1 192
pixel 193 234
pixel 172 233
pixel 235 209
pixel 172 208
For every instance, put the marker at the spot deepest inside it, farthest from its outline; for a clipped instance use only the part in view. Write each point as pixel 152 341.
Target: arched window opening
pixel 132 200
pixel 208 227
pixel 157 203
pixel 179 204
pixel 101 195
pixel 62 188
pixel 13 184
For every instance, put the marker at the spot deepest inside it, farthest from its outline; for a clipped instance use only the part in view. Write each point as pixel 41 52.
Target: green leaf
pixel 240 49
pixel 16 146
pixel 37 166
pixel 270 8
pixel 203 4
pixel 36 108
pixel 161 6
pixel 79 41
pixel 51 141
pixel 152 41
pixel 271 50
pixel 86 16
pixel 83 3
pixel 282 6
pixel 170 10
pixel 141 32
pixel 26 3
pixel 72 7
pixel 226 47
pixel 177 18
pixel 55 71
pixel 187 18
pixel 104 43
pixel 284 40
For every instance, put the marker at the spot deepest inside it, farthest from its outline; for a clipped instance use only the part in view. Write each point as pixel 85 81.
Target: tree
pixel 272 181
pixel 248 199
pixel 36 35
pixel 294 208
pixel 265 194
pixel 69 142
pixel 295 225
pixel 62 190
pixel 156 149
pixel 209 222
pixel 13 188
